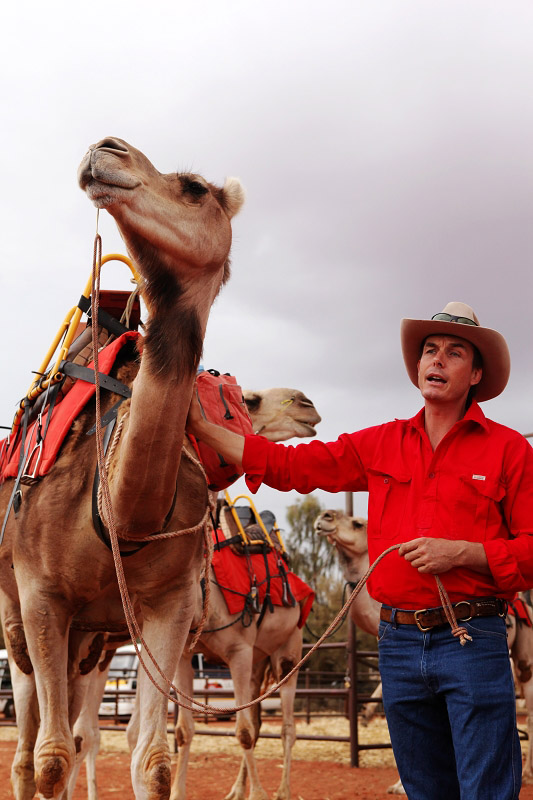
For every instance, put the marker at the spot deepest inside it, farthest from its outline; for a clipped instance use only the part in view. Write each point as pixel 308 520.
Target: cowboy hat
pixel 458 319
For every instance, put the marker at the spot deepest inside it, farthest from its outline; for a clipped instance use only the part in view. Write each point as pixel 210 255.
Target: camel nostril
pixel 109 143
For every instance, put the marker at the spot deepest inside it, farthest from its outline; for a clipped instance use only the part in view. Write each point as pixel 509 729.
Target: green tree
pixel 312 557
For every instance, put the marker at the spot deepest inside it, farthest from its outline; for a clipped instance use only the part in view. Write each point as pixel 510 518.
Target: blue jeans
pixel 451 711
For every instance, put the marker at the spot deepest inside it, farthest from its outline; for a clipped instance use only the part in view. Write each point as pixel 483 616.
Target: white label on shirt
pixel 478 477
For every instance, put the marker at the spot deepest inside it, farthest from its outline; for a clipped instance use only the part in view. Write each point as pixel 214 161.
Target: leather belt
pixel 427 618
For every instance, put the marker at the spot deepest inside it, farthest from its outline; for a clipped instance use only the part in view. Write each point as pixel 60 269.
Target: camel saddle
pixel 219 395
pixel 259 579
pixel 519 609
pixel 255 535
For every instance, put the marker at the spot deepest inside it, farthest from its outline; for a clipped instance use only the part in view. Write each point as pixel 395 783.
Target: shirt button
pixel 385 480
pixel 431 475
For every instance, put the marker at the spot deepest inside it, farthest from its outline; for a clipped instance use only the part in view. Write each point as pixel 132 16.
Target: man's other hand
pixel 431 555
pixel 195 418
pixel 434 556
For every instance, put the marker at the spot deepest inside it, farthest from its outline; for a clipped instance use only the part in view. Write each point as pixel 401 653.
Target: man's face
pixel 445 370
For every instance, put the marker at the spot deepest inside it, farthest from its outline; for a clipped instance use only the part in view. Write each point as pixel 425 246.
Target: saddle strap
pixel 22 463
pixel 104 318
pixel 87 374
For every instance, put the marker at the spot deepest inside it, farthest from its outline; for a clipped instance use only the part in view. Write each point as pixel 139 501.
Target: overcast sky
pixel 386 151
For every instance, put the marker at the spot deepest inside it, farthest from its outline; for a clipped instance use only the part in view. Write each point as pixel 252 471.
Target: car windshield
pixel 123 663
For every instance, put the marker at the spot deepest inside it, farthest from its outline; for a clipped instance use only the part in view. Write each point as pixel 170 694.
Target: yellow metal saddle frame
pixel 246 540
pixel 49 376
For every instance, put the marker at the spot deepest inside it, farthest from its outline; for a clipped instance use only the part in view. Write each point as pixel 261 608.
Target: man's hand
pixel 195 418
pixel 434 556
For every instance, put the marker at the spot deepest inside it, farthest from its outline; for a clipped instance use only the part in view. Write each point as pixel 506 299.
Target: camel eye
pixel 195 188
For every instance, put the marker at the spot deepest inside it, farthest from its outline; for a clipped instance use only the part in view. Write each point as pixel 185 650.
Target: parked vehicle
pixel 7 705
pixel 122 676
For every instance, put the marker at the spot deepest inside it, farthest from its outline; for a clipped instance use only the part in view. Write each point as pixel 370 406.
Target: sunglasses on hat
pixel 443 317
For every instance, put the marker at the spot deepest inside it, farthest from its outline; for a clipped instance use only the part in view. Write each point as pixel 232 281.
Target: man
pixel 456 489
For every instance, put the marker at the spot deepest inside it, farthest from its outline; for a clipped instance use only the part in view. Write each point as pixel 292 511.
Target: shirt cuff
pixel 254 460
pixel 503 566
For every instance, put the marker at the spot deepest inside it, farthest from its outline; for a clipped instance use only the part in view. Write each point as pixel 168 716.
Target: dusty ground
pixel 321 770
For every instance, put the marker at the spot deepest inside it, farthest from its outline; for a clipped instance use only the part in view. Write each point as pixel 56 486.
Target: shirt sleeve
pixel 511 560
pixel 332 466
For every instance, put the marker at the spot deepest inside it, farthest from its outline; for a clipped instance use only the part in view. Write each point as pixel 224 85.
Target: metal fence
pixel 348 697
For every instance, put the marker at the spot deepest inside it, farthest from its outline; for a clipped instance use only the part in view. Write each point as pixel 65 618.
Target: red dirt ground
pixel 214 776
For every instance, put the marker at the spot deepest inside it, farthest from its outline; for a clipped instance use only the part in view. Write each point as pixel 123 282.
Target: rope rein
pixel 105 504
pixel 106 512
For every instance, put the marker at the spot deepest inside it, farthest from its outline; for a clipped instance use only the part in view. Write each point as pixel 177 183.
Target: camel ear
pixel 233 191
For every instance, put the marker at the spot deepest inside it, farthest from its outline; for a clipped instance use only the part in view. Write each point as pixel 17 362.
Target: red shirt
pixel 477 485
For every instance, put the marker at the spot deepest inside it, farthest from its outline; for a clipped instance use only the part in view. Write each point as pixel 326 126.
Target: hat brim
pixel 490 343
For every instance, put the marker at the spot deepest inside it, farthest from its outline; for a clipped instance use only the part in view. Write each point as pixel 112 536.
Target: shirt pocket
pixel 387 501
pixel 477 504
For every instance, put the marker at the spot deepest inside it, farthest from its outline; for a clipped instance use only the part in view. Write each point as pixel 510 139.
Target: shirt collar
pixel 473 414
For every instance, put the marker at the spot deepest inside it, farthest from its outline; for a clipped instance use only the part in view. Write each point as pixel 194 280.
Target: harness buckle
pixel 418 624
pixel 30 478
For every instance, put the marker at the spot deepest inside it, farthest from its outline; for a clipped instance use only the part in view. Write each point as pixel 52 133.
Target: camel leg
pixel 238 790
pixel 184 730
pixel 27 709
pixel 522 656
pixel 246 730
pixel 370 708
pixel 283 661
pixel 396 788
pixel 258 670
pixel 87 732
pixel 133 727
pixel 167 621
pixel 22 677
pixel 46 625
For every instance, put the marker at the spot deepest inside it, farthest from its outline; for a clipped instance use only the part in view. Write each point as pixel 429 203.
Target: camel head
pixel 177 229
pixel 177 223
pixel 280 414
pixel 349 537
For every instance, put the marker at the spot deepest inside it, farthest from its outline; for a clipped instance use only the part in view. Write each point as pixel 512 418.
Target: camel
pixel 284 414
pixel 520 637
pixel 177 230
pixel 348 535
pixel 279 412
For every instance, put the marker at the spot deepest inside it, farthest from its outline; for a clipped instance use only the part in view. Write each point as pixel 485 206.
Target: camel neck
pixel 144 481
pixel 144 484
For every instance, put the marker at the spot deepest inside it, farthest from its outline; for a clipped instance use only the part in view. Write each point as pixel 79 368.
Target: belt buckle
pixel 463 603
pixel 418 625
